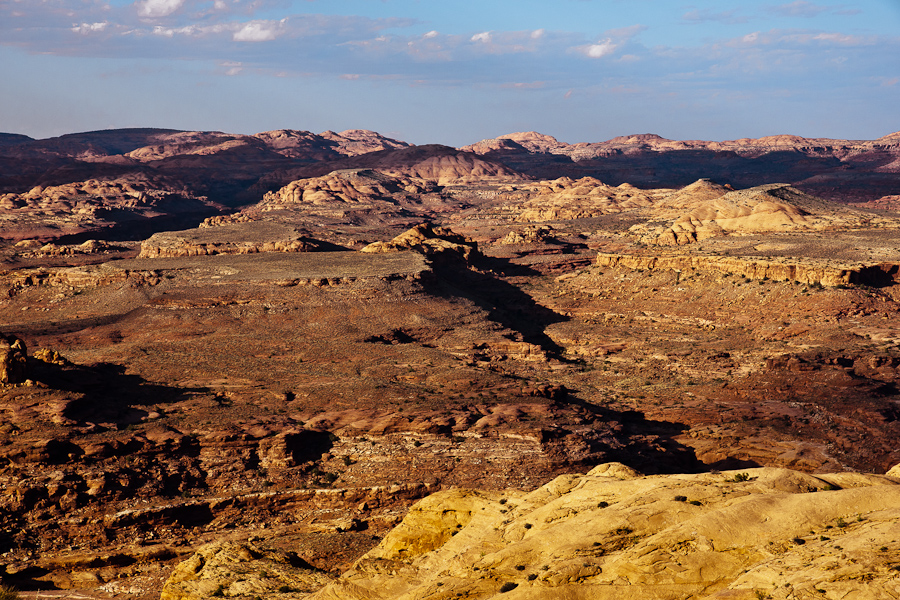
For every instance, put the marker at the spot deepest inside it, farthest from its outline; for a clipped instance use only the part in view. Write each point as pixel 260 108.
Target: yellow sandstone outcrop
pixel 229 569
pixel 426 239
pixel 774 207
pixel 613 534
pixel 610 534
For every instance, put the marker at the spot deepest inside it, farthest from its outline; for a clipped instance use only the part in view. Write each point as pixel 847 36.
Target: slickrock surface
pixel 613 533
pixel 770 208
pixel 565 199
pixel 230 569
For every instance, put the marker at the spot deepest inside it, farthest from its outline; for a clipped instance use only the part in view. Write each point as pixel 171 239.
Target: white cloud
pixel 232 68
pixel 598 50
pixel 86 28
pixel 537 34
pixel 484 36
pixel 257 31
pixel 837 38
pixel 430 34
pixel 751 38
pixel 158 8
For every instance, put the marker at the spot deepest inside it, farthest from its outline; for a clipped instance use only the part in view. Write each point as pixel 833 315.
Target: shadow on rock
pixel 104 392
pixel 628 437
pixel 505 304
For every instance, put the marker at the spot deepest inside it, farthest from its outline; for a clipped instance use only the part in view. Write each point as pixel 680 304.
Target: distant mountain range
pixel 185 175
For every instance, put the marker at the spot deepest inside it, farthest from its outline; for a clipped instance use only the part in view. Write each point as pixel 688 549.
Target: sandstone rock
pixel 13 358
pixel 736 535
pixel 235 238
pixel 767 208
pixel 426 239
pixel 346 186
pixel 566 198
pixel 894 471
pixel 805 271
pixel 240 569
pixel 529 235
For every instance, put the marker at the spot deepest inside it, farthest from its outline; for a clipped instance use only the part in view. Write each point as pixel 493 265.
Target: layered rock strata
pixel 811 273
pixel 237 238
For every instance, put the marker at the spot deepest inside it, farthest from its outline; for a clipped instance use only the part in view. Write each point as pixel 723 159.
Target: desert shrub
pixel 8 593
pixel 508 587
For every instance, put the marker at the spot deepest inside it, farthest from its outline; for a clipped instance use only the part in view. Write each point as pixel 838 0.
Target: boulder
pixel 13 357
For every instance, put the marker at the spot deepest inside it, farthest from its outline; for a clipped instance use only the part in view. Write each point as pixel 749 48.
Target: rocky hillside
pixel 758 533
pixel 842 170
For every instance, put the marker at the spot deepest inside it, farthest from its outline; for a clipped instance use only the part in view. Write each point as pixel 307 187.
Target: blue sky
pixel 454 71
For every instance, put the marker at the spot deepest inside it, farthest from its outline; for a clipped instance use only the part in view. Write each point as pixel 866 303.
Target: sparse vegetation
pixel 8 593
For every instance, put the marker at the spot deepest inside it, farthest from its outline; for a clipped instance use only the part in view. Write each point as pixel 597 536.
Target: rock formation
pixel 564 199
pixel 346 186
pixel 230 569
pixel 769 208
pixel 810 272
pixel 225 386
pixel 237 238
pixel 616 534
pixel 13 359
pixel 428 240
pixel 840 170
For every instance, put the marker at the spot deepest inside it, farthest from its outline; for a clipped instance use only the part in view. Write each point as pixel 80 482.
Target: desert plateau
pixel 343 366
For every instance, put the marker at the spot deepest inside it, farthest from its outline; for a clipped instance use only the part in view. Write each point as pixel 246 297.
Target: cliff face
pixel 810 273
pixel 615 534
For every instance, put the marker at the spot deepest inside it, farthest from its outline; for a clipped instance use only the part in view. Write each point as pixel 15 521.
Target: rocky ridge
pixel 841 170
pixel 809 273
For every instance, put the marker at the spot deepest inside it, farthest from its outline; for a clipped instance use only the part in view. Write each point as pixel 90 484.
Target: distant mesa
pixel 235 238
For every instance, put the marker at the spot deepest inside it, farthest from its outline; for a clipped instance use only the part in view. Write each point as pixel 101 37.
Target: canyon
pixel 339 365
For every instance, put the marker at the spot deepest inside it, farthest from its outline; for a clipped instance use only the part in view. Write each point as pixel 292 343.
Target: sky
pixel 454 71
